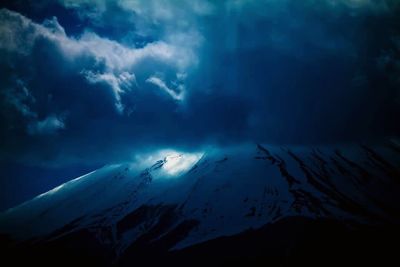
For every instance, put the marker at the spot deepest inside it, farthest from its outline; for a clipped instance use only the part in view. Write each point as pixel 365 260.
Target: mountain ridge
pixel 125 208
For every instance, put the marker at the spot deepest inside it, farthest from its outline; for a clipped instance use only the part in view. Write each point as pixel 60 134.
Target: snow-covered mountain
pixel 183 200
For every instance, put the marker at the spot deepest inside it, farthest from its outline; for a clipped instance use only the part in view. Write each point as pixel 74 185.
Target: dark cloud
pixel 193 74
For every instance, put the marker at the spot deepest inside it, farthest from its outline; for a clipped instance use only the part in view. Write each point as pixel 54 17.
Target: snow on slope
pixel 215 193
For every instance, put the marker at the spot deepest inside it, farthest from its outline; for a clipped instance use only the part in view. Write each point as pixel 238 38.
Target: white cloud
pixel 49 125
pixel 20 98
pixel 118 57
pixel 19 34
pixel 152 10
pixel 163 86
pixel 119 84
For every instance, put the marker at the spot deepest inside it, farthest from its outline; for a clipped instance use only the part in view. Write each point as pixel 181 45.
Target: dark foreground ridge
pixel 295 241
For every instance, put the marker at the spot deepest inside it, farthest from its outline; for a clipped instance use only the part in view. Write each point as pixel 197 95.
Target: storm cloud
pixel 97 81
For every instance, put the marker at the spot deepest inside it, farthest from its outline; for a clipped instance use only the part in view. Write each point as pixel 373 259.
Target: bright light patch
pixel 178 163
pixel 174 163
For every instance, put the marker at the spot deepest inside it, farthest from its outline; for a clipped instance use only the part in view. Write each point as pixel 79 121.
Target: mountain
pixel 246 204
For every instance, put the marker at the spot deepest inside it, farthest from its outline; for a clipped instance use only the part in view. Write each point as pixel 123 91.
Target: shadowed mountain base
pixel 294 241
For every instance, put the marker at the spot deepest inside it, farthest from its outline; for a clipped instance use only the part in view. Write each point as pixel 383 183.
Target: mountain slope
pixel 181 201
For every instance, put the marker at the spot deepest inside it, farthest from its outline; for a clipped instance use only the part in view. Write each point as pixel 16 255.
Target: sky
pixel 85 83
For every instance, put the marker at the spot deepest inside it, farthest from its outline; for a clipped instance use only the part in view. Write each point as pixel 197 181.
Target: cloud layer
pixel 101 80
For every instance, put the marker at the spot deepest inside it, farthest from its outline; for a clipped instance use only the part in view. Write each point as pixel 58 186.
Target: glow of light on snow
pixel 177 163
pixel 58 188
